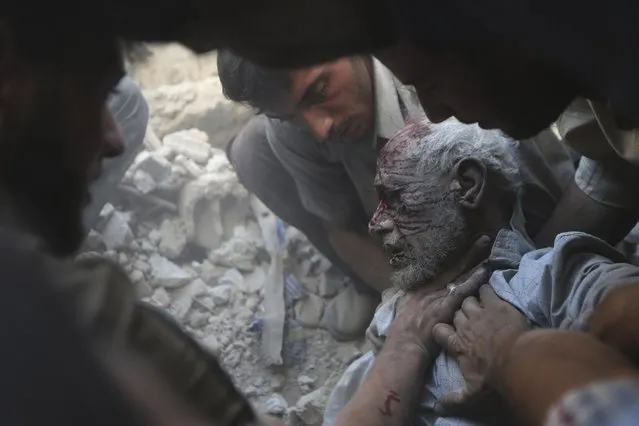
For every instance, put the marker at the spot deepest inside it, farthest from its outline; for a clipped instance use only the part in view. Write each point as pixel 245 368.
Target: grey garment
pixel 602 174
pixel 131 112
pixel 555 287
pixel 335 181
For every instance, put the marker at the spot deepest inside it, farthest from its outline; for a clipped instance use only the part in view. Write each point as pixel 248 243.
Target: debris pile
pixel 198 245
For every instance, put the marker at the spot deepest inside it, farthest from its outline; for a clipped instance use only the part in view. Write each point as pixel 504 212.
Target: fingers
pixel 467 288
pixel 452 401
pixel 488 296
pixel 444 335
pixel 471 306
pixel 459 320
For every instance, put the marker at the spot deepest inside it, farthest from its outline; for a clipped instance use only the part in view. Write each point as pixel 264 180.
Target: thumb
pixel 445 337
pixel 453 402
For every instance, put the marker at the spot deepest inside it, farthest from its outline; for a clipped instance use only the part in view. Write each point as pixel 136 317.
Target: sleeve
pixel 561 287
pixel 606 184
pixel 610 403
pixel 348 385
pixel 323 185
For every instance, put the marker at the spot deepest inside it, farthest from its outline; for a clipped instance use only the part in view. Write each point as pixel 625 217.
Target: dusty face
pixel 54 133
pixel 497 90
pixel 418 217
pixel 334 101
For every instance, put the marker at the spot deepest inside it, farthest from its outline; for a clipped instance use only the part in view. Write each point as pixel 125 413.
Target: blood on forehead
pixel 392 153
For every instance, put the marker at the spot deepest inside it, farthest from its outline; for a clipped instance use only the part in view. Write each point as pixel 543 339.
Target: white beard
pixel 429 251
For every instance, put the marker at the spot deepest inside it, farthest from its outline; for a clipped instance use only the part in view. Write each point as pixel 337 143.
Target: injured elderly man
pixel 440 187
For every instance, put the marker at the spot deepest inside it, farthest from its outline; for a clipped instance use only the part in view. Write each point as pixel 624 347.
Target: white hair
pixel 446 143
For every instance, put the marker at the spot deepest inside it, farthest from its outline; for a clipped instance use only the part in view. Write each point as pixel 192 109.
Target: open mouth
pixel 397 259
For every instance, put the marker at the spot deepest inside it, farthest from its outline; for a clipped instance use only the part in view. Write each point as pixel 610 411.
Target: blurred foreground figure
pixel 66 316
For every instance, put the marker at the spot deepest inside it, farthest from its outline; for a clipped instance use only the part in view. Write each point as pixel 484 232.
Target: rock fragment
pixel 173 238
pixel 276 405
pixel 117 233
pixel 192 143
pixel 165 273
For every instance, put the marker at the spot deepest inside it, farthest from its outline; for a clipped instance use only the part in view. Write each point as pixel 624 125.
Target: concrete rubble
pixel 198 245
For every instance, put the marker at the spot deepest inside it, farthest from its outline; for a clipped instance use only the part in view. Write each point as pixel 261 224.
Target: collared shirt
pixel 608 171
pixel 555 287
pixel 335 180
pixel 608 403
pixel 395 103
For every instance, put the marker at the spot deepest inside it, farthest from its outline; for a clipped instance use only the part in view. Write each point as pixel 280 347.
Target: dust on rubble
pixel 186 232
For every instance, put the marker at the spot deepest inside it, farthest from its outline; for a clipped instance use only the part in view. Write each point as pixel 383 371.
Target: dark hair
pixel 249 83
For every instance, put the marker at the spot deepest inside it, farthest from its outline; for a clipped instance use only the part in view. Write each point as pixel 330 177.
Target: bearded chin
pixel 432 251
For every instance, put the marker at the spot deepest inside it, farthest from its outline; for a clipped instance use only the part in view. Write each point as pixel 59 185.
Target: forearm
pixel 576 211
pixel 614 321
pixel 390 393
pixel 361 253
pixel 541 366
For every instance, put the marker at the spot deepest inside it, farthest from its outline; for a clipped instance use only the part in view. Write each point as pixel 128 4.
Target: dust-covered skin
pixel 418 218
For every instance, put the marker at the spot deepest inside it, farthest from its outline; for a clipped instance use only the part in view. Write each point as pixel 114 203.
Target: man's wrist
pixel 405 348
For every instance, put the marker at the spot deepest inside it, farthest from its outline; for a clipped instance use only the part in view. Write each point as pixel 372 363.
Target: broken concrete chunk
pixel 232 277
pixel 236 253
pixel 161 298
pixel 305 383
pixel 254 281
pixel 189 166
pixel 153 163
pixel 117 233
pixel 310 310
pixel 185 295
pixel 94 241
pixel 143 289
pixel 143 182
pixel 173 238
pixel 165 273
pixel 222 294
pixel 155 236
pixel 209 232
pixel 309 410
pixel 136 276
pixel 142 266
pixel 210 273
pixel 107 211
pixel 276 405
pixel 192 143
pixel 211 344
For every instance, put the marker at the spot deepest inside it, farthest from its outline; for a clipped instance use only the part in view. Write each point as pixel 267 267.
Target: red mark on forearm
pixel 391 397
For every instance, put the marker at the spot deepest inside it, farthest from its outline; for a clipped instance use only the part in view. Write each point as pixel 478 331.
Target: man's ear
pixel 469 177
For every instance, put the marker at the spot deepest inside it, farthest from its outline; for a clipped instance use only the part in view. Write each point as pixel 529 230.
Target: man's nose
pixel 380 223
pixel 319 122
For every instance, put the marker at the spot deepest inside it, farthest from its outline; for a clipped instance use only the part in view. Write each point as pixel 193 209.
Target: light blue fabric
pixel 553 288
pixel 609 403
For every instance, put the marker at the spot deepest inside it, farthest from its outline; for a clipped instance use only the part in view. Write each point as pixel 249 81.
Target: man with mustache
pixel 311 156
pixel 440 186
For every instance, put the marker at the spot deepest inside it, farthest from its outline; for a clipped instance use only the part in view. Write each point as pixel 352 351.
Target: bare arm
pixel 389 394
pixel 541 366
pixel 577 211
pixel 614 321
